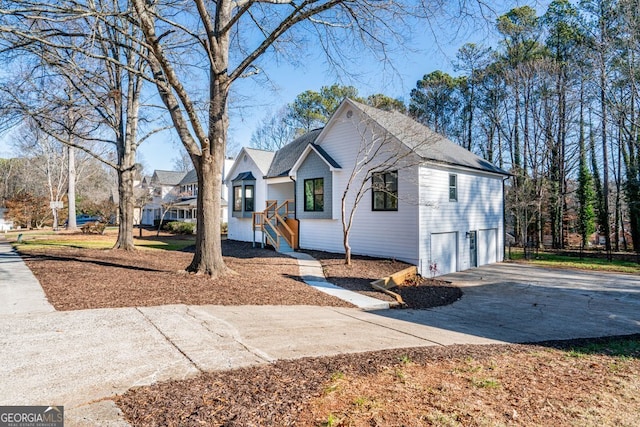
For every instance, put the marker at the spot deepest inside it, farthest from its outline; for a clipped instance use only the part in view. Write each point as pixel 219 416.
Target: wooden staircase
pixel 278 226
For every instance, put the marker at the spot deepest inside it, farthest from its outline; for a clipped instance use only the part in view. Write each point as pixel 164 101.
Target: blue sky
pixel 428 53
pixel 287 81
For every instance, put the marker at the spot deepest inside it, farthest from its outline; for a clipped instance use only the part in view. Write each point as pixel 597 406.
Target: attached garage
pixel 444 252
pixel 487 246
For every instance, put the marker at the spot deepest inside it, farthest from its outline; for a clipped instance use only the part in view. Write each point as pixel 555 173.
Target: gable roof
pixel 168 177
pixel 288 155
pixel 425 142
pixel 190 178
pixel 324 156
pixel 261 158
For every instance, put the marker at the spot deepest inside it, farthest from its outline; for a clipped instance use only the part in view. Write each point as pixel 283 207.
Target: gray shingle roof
pixel 190 178
pixel 425 142
pixel 244 176
pixel 168 177
pixel 287 156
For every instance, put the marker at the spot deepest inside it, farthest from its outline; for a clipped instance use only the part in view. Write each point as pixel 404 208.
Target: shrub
pixel 179 227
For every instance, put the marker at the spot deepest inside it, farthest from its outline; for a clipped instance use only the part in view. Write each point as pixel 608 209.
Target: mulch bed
pixel 453 385
pixel 76 279
pixel 80 278
pixel 419 294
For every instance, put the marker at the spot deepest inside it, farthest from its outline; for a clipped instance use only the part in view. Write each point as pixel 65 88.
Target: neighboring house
pixel 174 194
pixel 5 224
pixel 164 186
pixel 429 201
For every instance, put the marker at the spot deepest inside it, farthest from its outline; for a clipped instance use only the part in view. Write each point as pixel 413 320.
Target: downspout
pixel 295 206
pixel 504 219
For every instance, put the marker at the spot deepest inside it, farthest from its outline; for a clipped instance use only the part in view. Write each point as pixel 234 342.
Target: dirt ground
pixel 527 385
pixel 80 278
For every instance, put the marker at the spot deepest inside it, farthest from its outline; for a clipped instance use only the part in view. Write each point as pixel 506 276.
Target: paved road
pixel 81 358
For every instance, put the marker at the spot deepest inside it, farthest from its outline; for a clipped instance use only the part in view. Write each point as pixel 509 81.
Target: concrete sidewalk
pixel 81 359
pixel 20 291
pixel 313 275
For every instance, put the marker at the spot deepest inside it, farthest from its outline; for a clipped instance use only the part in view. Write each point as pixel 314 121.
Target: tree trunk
pixel 346 230
pixel 126 210
pixel 208 256
pixel 71 190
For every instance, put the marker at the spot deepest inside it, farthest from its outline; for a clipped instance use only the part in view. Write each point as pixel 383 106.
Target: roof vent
pixel 349 114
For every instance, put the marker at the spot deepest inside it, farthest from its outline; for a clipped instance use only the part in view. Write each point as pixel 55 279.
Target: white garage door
pixel 444 252
pixel 487 246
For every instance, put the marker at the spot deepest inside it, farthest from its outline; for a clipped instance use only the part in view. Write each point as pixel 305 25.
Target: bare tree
pixel 382 159
pixel 95 56
pixel 182 163
pixel 230 39
pixel 274 131
pixel 48 158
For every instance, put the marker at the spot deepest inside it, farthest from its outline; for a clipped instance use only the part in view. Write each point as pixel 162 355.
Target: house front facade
pixel 403 191
pixel 174 197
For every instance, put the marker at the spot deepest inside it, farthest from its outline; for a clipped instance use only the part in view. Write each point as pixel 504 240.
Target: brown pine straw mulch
pixel 444 386
pixel 463 385
pixel 80 278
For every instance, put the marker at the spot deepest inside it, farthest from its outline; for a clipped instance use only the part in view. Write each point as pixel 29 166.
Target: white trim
pixel 451 167
pixel 278 180
pixel 303 156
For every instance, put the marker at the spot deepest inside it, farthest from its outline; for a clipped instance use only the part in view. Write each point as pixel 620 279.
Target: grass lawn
pixel 550 259
pixel 39 239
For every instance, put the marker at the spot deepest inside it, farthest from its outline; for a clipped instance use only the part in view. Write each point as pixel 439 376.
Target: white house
pixel 174 194
pixel 419 197
pixel 5 224
pixel 164 190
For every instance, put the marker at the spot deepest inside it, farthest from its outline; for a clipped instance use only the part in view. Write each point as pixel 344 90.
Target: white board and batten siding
pixel 444 224
pixel 388 234
pixel 241 228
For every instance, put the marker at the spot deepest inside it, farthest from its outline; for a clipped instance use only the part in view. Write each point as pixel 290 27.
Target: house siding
pixel 479 208
pixel 280 192
pixel 242 228
pixel 382 233
pixel 314 167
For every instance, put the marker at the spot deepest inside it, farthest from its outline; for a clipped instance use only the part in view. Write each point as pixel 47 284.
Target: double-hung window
pixel 248 198
pixel 237 198
pixel 453 188
pixel 385 191
pixel 314 195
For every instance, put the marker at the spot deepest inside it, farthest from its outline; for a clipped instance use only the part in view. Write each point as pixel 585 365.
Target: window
pixel 385 191
pixel 248 198
pixel 314 194
pixel 237 198
pixel 453 188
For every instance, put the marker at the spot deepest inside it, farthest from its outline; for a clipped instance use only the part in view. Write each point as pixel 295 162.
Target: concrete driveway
pixel 523 303
pixel 80 359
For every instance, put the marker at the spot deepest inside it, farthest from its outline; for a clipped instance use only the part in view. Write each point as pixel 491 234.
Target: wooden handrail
pixel 291 234
pixel 285 205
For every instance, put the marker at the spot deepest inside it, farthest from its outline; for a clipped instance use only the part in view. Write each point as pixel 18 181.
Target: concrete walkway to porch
pixel 312 274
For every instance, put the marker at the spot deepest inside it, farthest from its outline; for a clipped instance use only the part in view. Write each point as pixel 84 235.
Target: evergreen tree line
pixel 555 102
